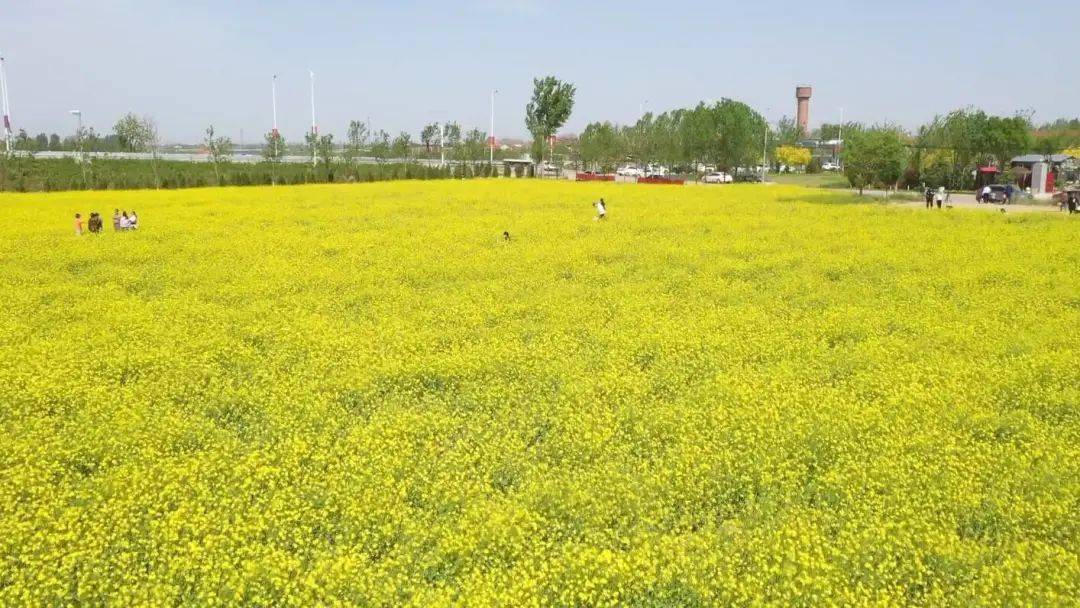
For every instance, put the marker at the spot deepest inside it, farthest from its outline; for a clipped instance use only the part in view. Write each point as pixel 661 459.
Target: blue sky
pixel 407 63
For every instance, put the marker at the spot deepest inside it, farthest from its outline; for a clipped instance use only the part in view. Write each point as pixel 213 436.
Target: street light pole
pixel 314 126
pixel 78 143
pixel 840 146
pixel 765 153
pixel 6 105
pixel 274 132
pixel 491 135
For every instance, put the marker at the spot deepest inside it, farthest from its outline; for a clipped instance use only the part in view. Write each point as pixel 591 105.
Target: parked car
pixel 830 166
pixel 747 175
pixel 718 177
pixel 998 193
pixel 656 171
pixel 630 171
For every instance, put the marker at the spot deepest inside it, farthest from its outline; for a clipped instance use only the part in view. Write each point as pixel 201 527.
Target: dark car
pixel 998 194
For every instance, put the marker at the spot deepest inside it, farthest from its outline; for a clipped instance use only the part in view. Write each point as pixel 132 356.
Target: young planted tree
pixel 312 141
pixel 219 149
pixel 273 152
pixel 475 145
pixel 451 139
pixel 402 146
pixel 429 136
pixel 380 147
pixel 550 107
pixel 325 150
pixel 356 140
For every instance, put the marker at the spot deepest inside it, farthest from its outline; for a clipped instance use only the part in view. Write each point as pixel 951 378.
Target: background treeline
pixel 728 135
pixel 27 174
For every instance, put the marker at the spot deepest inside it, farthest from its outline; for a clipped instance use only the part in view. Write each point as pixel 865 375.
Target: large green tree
pixel 599 146
pixel 547 111
pixel 874 157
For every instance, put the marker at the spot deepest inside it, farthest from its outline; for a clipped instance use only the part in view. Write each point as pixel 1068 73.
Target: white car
pixel 656 171
pixel 831 166
pixel 718 177
pixel 630 171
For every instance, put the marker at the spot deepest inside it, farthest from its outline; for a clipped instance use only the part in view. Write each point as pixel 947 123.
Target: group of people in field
pixel 936 197
pixel 121 220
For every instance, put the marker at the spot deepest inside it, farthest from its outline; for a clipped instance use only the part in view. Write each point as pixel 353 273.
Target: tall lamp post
pixel 314 125
pixel 491 134
pixel 79 142
pixel 6 105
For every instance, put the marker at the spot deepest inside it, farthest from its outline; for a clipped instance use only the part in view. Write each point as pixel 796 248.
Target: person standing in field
pixel 78 224
pixel 116 220
pixel 929 194
pixel 939 197
pixel 94 224
pixel 1073 202
pixel 601 209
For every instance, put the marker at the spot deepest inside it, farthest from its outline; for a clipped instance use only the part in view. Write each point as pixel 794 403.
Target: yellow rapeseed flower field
pixel 363 395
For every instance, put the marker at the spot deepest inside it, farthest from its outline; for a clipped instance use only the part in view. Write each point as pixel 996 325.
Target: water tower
pixel 802 95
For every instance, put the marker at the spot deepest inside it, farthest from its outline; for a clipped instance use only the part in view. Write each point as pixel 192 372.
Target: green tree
pixel 402 146
pixel 599 146
pixel 429 136
pixel 219 149
pixel 876 156
pixel 54 142
pixel 550 107
pixel 380 147
pixel 357 140
pixel 737 136
pixel 788 132
pixel 311 138
pixel 475 145
pixel 325 150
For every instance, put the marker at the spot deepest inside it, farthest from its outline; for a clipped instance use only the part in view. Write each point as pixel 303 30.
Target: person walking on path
pixel 78 224
pixel 986 194
pixel 940 197
pixel 1073 202
pixel 929 198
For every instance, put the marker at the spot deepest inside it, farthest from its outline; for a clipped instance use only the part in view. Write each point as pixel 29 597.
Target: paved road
pixel 967 201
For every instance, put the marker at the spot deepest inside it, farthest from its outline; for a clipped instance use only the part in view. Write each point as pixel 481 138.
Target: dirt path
pixel 967 201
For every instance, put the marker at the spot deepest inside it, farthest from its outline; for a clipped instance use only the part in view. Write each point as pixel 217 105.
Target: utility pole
pixel 6 105
pixel 841 138
pixel 491 135
pixel 442 144
pixel 314 127
pixel 765 153
pixel 274 132
pixel 78 144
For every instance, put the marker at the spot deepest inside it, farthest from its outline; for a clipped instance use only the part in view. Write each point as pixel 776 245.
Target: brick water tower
pixel 802 94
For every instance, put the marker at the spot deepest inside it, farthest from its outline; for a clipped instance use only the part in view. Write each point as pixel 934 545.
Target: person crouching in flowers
pixel 134 221
pixel 94 224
